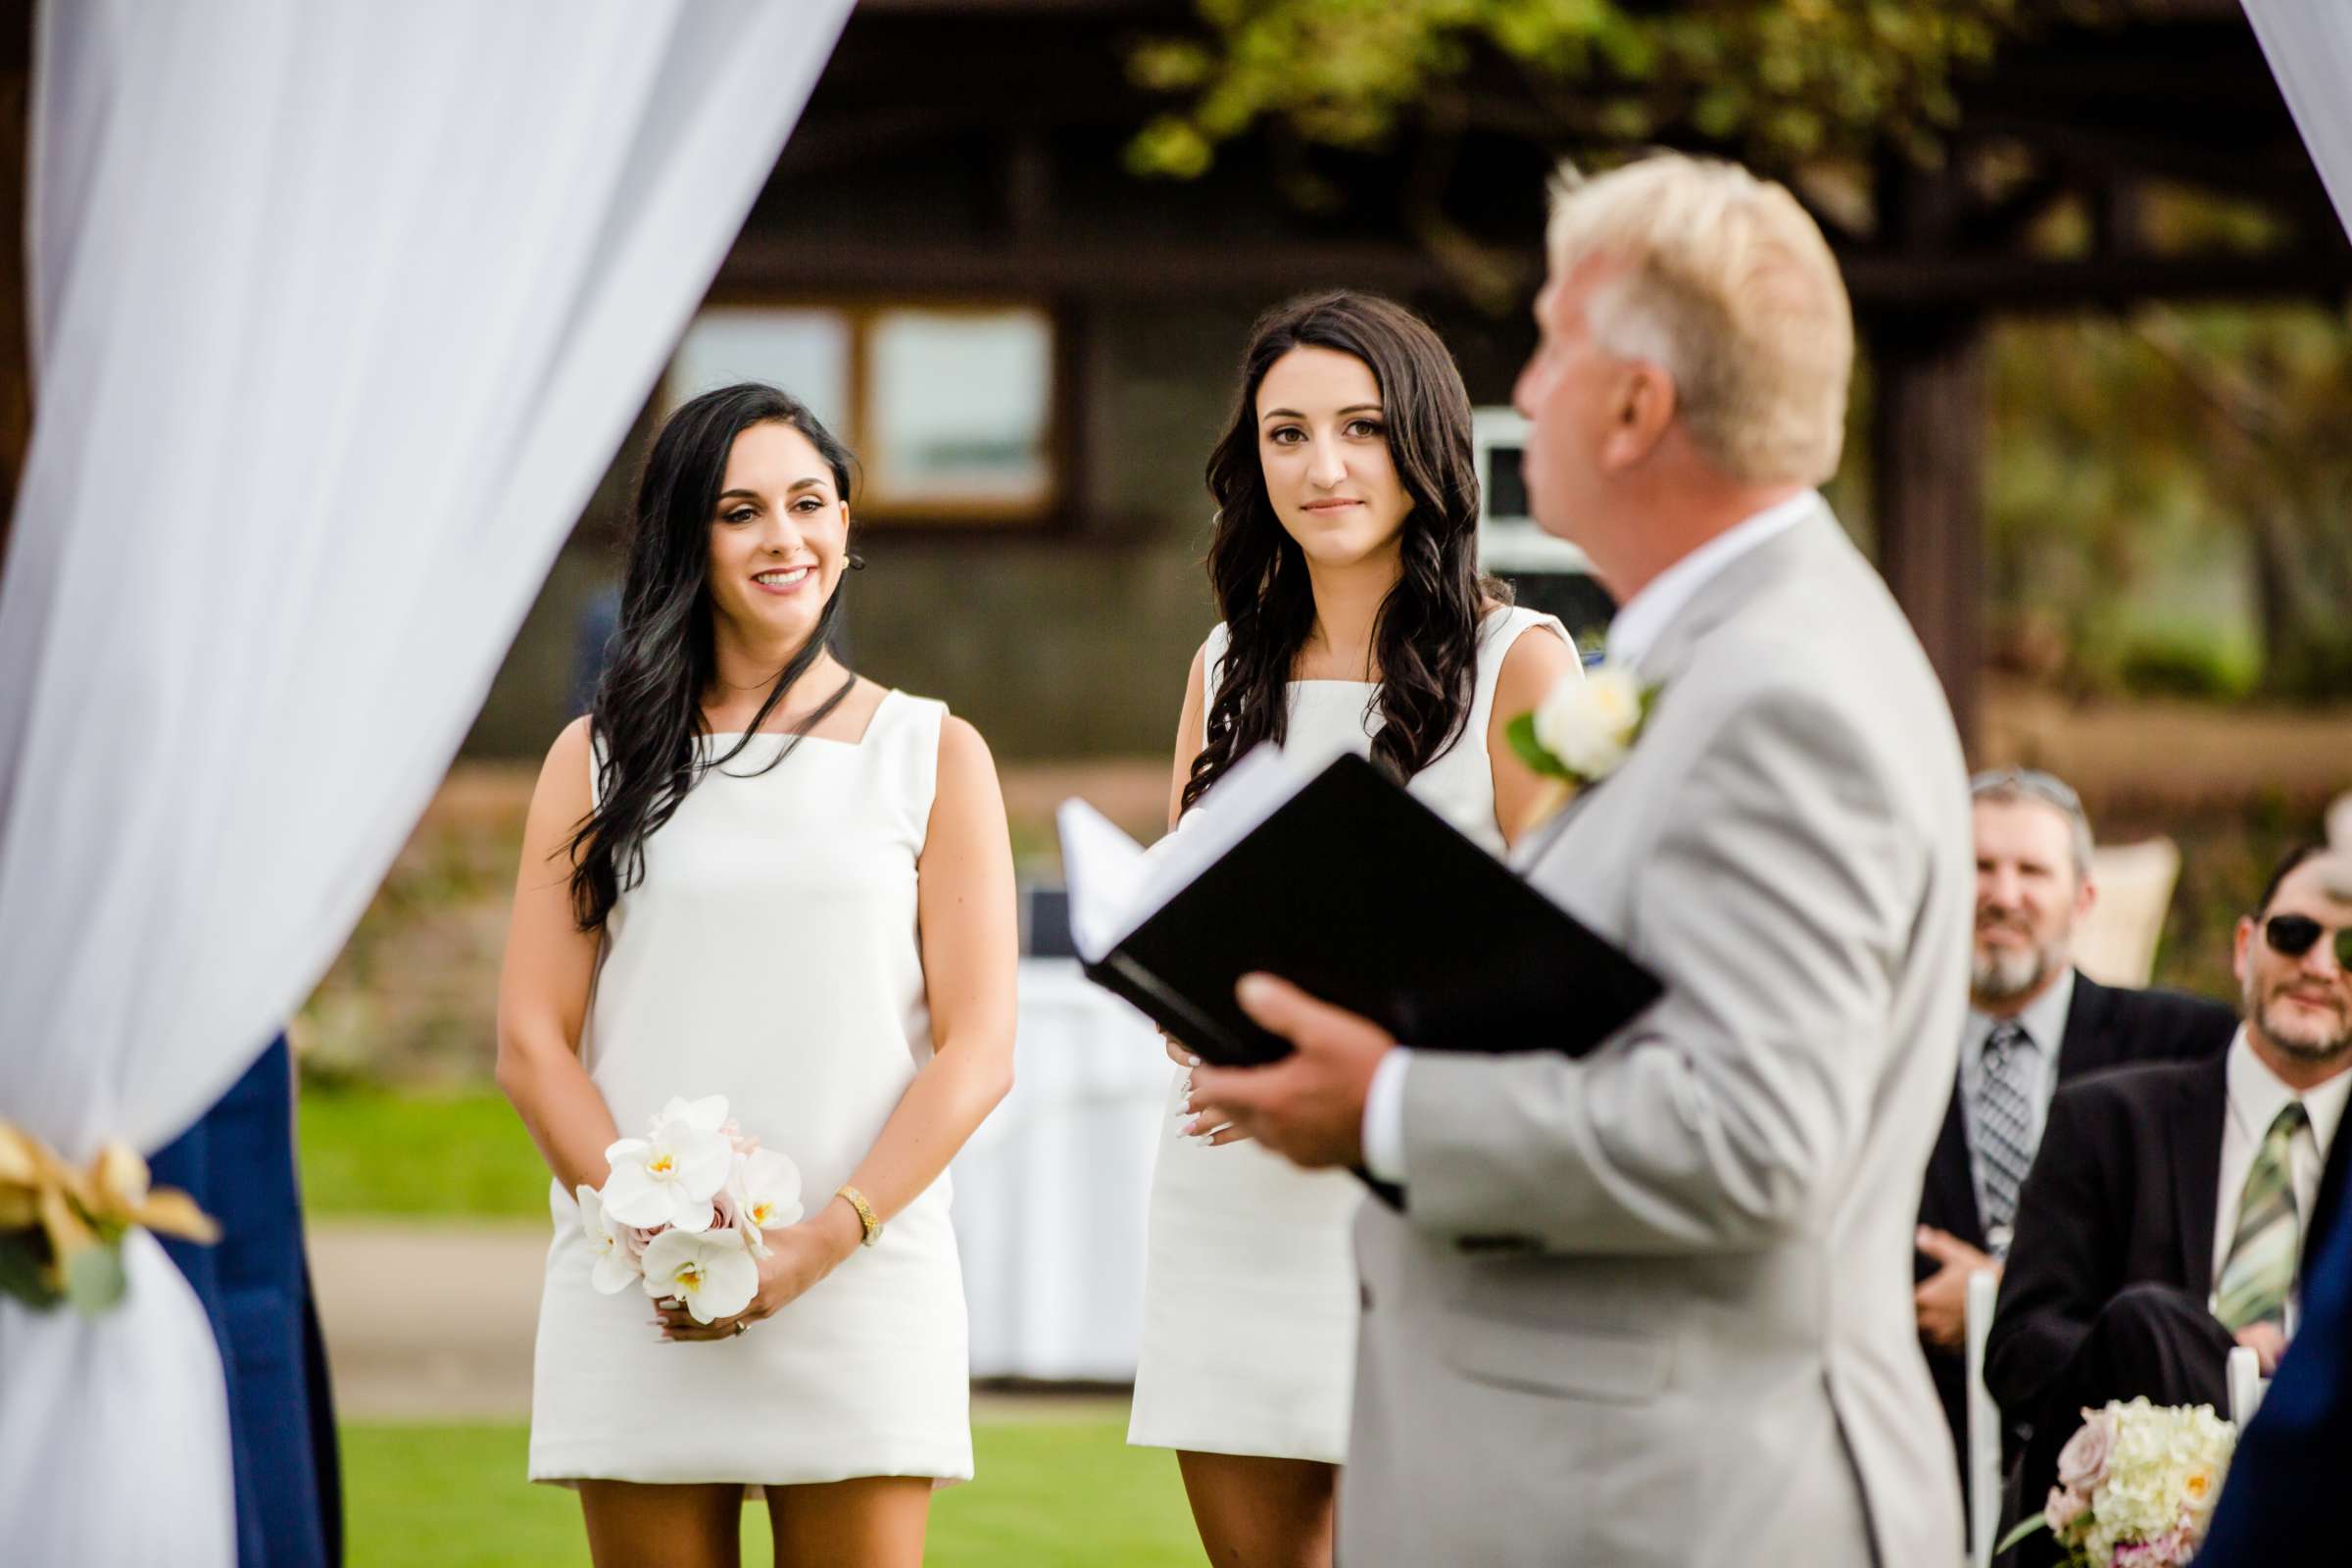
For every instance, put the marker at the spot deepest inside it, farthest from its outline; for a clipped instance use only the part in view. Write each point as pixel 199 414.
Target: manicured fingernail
pixel 1252 989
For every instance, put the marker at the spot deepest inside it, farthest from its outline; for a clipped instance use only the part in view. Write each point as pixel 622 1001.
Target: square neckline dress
pixel 770 954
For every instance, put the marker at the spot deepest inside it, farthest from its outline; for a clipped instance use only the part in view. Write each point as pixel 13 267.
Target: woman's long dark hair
pixel 1425 638
pixel 648 713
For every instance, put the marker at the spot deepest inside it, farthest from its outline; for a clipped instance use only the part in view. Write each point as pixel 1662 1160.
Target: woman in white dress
pixel 1344 560
pixel 749 872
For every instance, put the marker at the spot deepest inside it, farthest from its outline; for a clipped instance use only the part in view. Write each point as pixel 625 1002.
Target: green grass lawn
pixel 459 1154
pixel 1048 1491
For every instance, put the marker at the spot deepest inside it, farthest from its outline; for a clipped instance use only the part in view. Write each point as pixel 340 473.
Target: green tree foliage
pixel 2197 457
pixel 1782 80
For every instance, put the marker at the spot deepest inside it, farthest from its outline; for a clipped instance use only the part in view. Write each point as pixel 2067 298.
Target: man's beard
pixel 2005 974
pixel 2305 1038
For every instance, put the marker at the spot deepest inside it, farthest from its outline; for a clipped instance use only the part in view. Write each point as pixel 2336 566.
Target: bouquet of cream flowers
pixel 2136 1486
pixel 682 1211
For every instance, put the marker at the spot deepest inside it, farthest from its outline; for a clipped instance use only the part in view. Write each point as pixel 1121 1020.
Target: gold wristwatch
pixel 865 1214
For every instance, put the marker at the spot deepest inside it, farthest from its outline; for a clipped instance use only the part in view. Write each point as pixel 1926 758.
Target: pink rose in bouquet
pixel 2136 1486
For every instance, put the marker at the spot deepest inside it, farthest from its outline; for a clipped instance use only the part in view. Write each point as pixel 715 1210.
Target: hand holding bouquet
pixel 2136 1486
pixel 683 1209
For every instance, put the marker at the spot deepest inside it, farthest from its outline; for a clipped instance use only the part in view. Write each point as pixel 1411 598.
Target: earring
pixel 855 563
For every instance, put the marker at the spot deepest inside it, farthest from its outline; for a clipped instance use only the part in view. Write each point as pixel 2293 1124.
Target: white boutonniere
pixel 1582 732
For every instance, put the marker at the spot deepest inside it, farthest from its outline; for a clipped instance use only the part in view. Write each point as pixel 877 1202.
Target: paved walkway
pixel 428 1322
pixel 436 1323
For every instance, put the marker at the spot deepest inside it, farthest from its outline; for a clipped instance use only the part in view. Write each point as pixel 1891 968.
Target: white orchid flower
pixel 711 1272
pixel 670 1177
pixel 766 1195
pixel 616 1259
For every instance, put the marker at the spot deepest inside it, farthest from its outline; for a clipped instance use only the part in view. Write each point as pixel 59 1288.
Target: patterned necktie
pixel 2004 1127
pixel 2260 1270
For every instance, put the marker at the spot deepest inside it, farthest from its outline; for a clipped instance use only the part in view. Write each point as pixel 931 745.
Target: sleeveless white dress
pixel 769 955
pixel 1249 1286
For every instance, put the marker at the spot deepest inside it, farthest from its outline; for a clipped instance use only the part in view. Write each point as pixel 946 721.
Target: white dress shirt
pixel 2256 1096
pixel 2045 1023
pixel 1632 633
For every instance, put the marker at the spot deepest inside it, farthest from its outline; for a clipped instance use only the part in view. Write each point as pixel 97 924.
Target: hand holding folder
pixel 1329 875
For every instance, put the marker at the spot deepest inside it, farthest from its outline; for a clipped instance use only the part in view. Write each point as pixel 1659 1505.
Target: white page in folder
pixel 1114 885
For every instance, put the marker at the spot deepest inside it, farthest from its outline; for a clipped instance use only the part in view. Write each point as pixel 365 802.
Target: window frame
pixel 1053 512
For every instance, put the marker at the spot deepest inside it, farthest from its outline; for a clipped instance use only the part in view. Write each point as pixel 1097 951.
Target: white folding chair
pixel 1983 1424
pixel 2247 1386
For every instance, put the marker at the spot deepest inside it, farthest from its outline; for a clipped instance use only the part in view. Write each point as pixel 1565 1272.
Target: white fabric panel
pixel 1052 1191
pixel 2309 45
pixel 339 310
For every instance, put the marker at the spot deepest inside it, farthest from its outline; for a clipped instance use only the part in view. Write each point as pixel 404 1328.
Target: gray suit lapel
pixel 1533 847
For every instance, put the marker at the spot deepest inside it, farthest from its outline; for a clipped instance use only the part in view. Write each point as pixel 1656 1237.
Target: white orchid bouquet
pixel 2136 1486
pixel 683 1209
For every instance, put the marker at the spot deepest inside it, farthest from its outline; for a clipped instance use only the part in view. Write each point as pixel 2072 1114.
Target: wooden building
pixel 1033 348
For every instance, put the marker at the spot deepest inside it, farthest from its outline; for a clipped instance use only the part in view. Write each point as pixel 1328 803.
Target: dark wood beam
pixel 1144 269
pixel 1155 266
pixel 2023 283
pixel 2187 149
pixel 1928 489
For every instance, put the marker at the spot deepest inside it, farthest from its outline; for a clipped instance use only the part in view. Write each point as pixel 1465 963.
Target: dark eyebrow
pixel 812 483
pixel 1293 414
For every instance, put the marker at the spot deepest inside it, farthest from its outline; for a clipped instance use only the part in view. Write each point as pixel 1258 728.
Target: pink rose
pixel 2063 1508
pixel 2171 1549
pixel 2083 1462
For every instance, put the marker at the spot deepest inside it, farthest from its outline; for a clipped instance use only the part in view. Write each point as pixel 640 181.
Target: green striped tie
pixel 2261 1253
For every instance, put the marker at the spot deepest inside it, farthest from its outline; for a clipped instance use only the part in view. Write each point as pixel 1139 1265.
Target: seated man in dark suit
pixel 2035 1021
pixel 2279 1503
pixel 2162 1223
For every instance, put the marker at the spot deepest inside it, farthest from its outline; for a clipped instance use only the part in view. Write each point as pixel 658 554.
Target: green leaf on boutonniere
pixel 94 1278
pixel 23 1269
pixel 1521 733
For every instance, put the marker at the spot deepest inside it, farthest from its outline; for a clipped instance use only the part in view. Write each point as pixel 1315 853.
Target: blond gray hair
pixel 1729 287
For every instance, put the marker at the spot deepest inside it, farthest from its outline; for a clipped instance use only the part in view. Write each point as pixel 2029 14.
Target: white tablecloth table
pixel 1051 1192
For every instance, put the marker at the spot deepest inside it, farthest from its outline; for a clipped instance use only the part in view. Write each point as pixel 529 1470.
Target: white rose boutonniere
pixel 1583 731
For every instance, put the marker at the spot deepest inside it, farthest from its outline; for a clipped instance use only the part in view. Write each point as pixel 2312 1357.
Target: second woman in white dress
pixel 1344 562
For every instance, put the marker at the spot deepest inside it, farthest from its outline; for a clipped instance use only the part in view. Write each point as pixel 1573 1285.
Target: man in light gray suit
pixel 1654 1305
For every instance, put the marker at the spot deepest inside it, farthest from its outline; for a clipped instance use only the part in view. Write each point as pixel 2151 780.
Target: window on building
pixel 950 407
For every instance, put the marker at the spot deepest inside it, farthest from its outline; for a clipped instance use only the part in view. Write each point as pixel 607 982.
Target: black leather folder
pixel 1357 893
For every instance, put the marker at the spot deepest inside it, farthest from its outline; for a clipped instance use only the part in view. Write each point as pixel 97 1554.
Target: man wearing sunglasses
pixel 2035 1021
pixel 2163 1223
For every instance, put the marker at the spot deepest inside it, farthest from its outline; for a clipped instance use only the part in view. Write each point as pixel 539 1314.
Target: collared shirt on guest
pixel 2045 1023
pixel 2256 1096
pixel 1635 627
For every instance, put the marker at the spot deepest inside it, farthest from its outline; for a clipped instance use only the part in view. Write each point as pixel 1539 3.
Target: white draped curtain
pixel 2309 46
pixel 339 310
